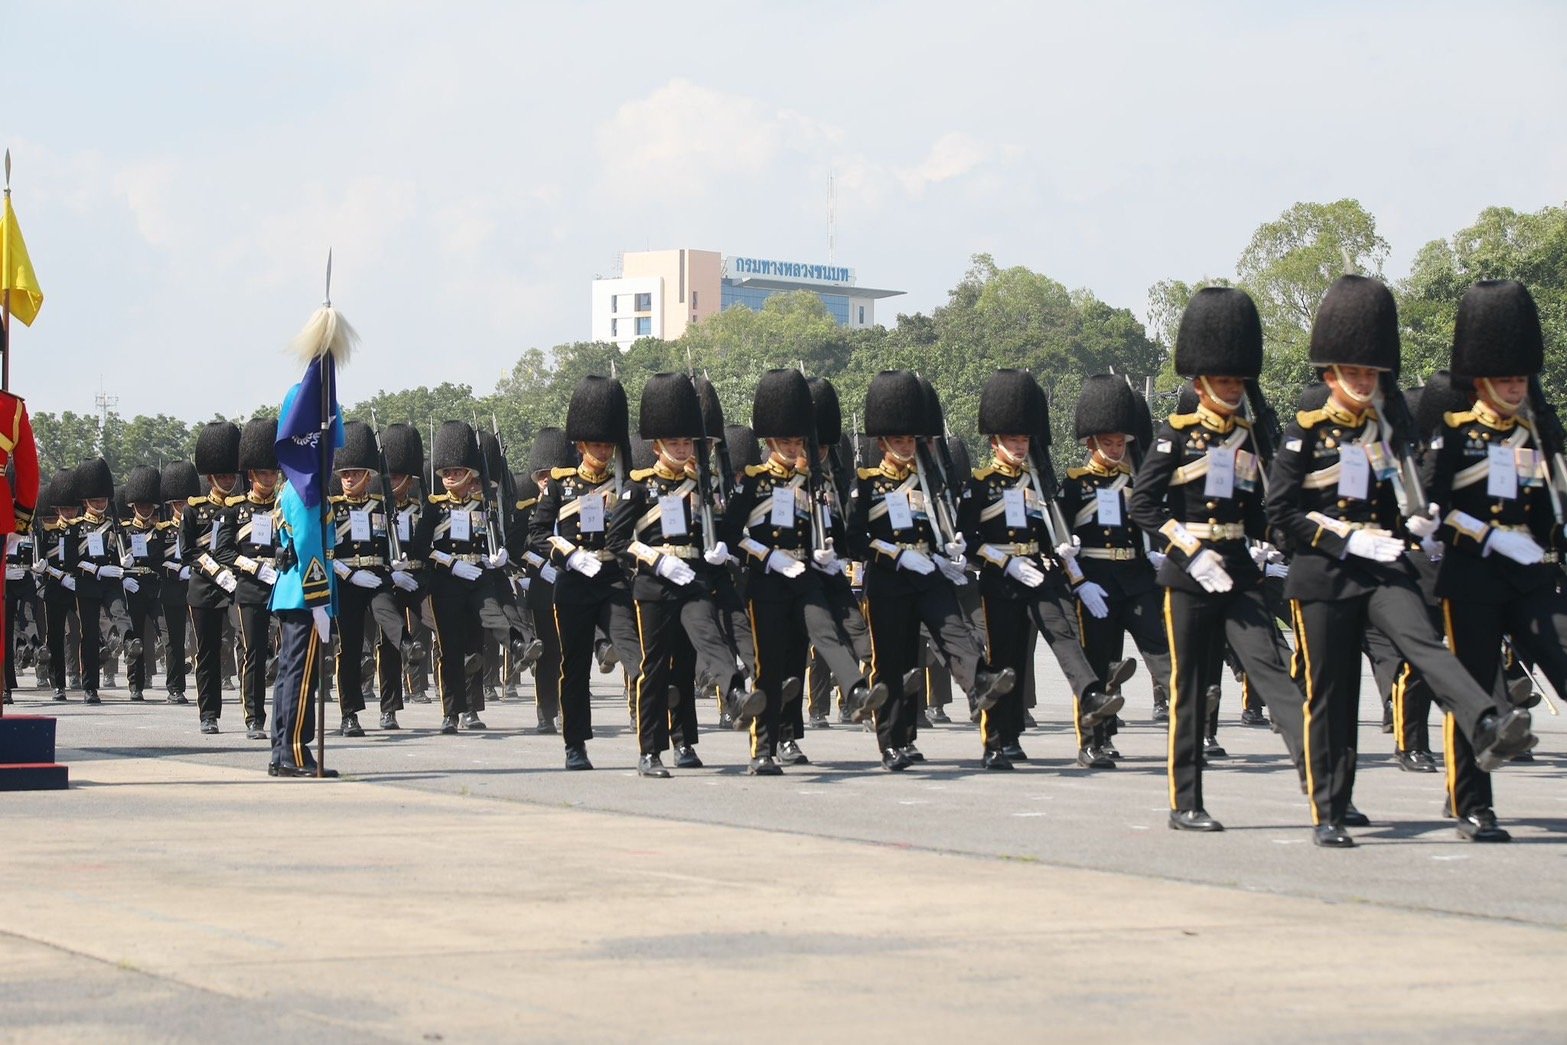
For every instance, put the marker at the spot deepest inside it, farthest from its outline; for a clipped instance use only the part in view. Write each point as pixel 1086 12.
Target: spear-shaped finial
pixel 8 170
pixel 327 302
pixel 1350 268
pixel 327 332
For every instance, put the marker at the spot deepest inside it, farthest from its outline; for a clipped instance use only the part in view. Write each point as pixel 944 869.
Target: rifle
pixel 1553 443
pixel 943 514
pixel 1266 432
pixel 506 494
pixel 490 532
pixel 704 472
pixel 394 544
pixel 1404 438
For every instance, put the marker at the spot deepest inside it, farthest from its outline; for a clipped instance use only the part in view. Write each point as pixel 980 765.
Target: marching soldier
pixel 59 586
pixel 1023 586
pixel 404 449
pixel 569 529
pixel 1120 591
pixel 247 543
pixel 21 593
pixel 1498 517
pixel 92 557
pixel 911 568
pixel 143 563
pixel 551 450
pixel 1331 492
pixel 659 528
pixel 212 583
pixel 1199 492
pixel 178 483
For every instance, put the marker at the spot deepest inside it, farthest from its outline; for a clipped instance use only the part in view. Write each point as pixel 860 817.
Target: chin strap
pixel 1349 393
pixel 1501 405
pixel 1232 407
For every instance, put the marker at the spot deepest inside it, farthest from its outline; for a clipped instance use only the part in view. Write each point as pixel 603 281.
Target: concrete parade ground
pixel 466 888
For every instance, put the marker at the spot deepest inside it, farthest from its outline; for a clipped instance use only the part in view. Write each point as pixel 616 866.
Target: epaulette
pixel 439 498
pixel 194 502
pixel 752 470
pixel 1309 419
pixel 639 474
pixel 562 473
pixel 1180 421
pixel 871 473
pixel 236 499
pixel 1078 473
pixel 525 505
pixel 1455 418
pixel 985 472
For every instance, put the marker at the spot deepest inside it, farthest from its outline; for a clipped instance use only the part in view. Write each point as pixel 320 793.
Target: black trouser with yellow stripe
pixel 294 692
pixel 659 624
pixel 850 621
pixel 894 612
pixel 1104 641
pixel 780 643
pixel 576 627
pixel 1009 623
pixel 353 602
pixel 255 646
pixel 546 671
pixel 683 727
pixel 1329 635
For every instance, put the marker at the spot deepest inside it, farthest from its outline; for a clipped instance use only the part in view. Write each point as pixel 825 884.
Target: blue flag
pixel 299 429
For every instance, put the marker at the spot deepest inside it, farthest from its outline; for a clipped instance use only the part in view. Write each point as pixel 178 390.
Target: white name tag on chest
pixel 139 545
pixel 95 545
pixel 1109 507
pixel 1016 507
pixel 1502 480
pixel 591 514
pixel 1220 481
pixel 462 525
pixel 898 511
pixel 672 515
pixel 212 536
pixel 359 526
pixel 59 549
pixel 261 529
pixel 404 527
pixel 1354 474
pixel 783 506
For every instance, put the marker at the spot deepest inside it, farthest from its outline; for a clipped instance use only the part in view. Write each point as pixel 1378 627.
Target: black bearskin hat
pixel 829 415
pixel 712 409
pixel 1440 395
pixel 1106 405
pixel 1356 325
pixel 1497 332
pixel 258 444
pixel 598 412
pixel 741 446
pixel 179 481
pixel 551 449
pixel 142 486
pixel 217 448
pixel 404 448
pixel 62 489
pixel 895 405
pixel 671 409
pixel 1220 334
pixel 358 449
pixel 454 446
pixel 782 407
pixel 1315 395
pixel 1010 404
pixel 962 463
pixel 92 479
pixel 1186 400
pixel 935 417
pixel 1144 418
pixel 527 489
pixel 494 458
pixel 642 454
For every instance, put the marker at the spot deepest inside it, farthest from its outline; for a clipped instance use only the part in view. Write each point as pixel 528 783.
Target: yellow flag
pixel 16 270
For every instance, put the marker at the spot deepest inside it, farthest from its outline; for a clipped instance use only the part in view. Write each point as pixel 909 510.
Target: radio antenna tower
pixel 832 222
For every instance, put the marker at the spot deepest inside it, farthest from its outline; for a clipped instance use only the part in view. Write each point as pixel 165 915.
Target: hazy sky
pixel 182 167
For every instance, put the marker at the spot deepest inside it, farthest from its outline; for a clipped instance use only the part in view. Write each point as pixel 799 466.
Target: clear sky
pixel 181 167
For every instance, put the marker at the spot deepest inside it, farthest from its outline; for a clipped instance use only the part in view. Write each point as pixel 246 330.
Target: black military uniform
pixel 1500 574
pixel 891 529
pixel 59 587
pixel 659 531
pixel 144 537
pixel 212 583
pixel 551 450
pixel 247 544
pixel 1199 492
pixel 1331 493
pixel 1112 553
pixel 92 556
pixel 405 460
pixel 569 529
pixel 21 599
pixel 178 483
pixel 1023 584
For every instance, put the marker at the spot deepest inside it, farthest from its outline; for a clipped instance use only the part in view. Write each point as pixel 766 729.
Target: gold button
pixel 1496 509
pixel 1343 504
pixel 1212 505
pixel 1213 522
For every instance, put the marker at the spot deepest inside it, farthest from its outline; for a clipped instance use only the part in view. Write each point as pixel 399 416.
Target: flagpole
pixel 5 299
pixel 324 462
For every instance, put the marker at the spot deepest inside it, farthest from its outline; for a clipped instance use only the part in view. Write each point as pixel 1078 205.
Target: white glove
pixel 466 570
pixel 12 542
pixel 778 562
pixel 130 585
pixel 673 570
pixel 127 560
pixel 1068 550
pixel 364 579
pixel 68 583
pixel 1423 526
pixel 110 573
pixel 1024 572
pixel 226 580
pixel 1519 547
pixel 916 562
pixel 718 554
pixel 825 561
pixel 323 623
pixel 1276 569
pixel 1433 549
pixel 1156 559
pixel 1093 596
pixel 341 568
pixel 266 573
pixel 38 568
pixel 583 563
pixel 522 584
pixel 404 580
pixel 1259 553
pixel 500 558
pixel 1375 546
pixel 956 547
pixel 951 570
pixel 548 573
pixel 1208 570
pixel 184 573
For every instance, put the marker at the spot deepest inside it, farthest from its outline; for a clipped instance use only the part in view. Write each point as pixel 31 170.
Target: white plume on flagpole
pixel 326 332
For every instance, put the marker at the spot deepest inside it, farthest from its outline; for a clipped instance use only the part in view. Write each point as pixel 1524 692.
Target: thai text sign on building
pixel 799 272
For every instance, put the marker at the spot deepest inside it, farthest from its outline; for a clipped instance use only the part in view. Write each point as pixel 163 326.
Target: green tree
pixel 64 440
